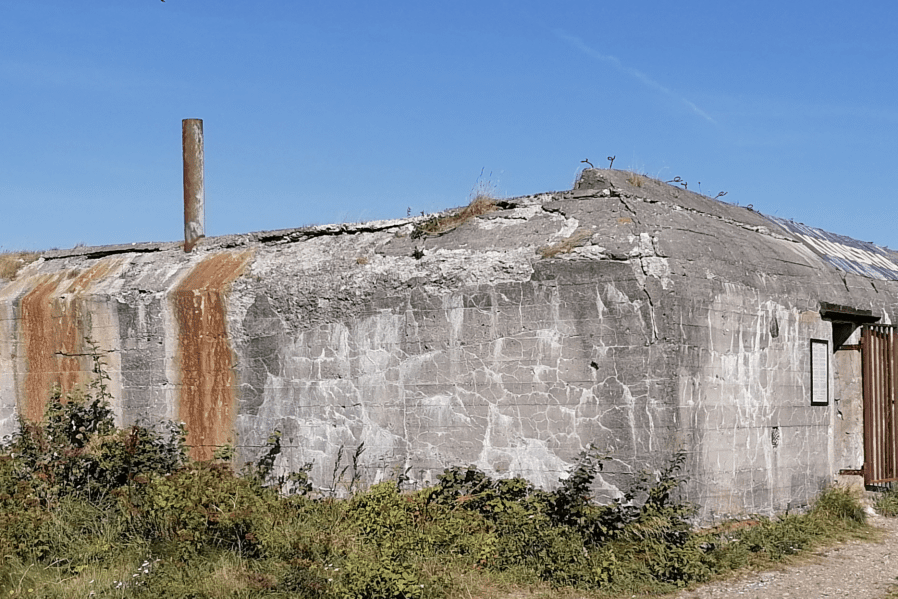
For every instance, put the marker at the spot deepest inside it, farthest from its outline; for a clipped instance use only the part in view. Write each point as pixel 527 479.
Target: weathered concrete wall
pixel 676 322
pixel 849 414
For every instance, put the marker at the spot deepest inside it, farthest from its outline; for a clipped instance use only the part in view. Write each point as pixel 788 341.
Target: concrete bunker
pixel 626 312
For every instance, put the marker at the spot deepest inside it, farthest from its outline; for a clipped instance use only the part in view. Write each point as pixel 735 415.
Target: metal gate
pixel 879 345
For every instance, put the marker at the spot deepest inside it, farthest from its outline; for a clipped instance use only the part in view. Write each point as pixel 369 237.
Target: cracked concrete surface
pixel 679 323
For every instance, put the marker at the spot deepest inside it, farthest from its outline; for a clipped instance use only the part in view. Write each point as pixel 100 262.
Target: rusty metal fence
pixel 880 363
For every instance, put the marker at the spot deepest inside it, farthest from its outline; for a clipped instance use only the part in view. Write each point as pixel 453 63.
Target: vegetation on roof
pixel 443 223
pixel 12 262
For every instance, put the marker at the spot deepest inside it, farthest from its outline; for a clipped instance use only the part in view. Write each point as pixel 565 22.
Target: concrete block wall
pixel 675 323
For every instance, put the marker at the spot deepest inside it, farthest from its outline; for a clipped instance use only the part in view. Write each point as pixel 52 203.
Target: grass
pixel 887 503
pixel 381 543
pixel 635 179
pixel 439 224
pixel 467 536
pixel 88 510
pixel 565 246
pixel 483 200
pixel 12 262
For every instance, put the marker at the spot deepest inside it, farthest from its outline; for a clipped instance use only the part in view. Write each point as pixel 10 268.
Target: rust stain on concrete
pixel 97 272
pixel 53 326
pixel 47 332
pixel 207 402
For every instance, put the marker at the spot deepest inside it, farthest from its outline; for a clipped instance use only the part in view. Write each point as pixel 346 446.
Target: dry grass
pixel 437 225
pixel 566 245
pixel 12 262
pixel 635 179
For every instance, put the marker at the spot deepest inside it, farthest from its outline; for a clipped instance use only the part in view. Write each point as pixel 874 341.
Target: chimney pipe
pixel 194 188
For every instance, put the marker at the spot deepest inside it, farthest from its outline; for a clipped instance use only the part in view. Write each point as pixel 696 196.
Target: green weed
pixel 90 510
pixel 887 503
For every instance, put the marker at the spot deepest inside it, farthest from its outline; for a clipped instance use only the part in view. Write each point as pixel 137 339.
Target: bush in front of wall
pixel 76 450
pixel 87 509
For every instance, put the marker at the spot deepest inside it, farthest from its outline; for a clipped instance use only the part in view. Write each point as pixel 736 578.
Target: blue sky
pixel 320 112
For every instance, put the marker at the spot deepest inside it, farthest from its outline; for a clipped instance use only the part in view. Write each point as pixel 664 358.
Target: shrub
pixel 77 451
pixel 59 475
pixel 87 502
pixel 203 505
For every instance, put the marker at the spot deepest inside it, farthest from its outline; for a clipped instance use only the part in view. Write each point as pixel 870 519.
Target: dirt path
pixel 861 569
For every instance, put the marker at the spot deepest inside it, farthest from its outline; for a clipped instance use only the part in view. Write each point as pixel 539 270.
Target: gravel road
pixel 860 569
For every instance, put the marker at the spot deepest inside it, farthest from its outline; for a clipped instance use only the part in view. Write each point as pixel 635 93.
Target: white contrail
pixel 639 75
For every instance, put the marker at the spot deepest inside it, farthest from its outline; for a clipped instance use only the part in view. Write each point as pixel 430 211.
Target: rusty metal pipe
pixel 194 186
